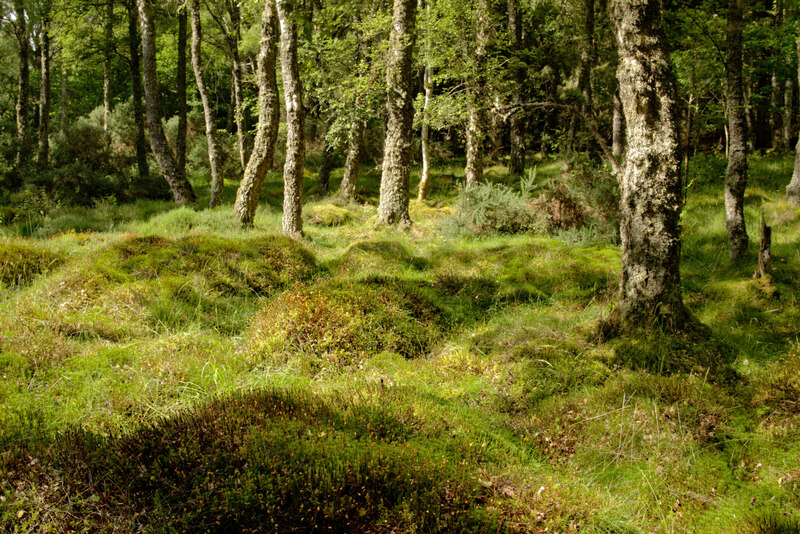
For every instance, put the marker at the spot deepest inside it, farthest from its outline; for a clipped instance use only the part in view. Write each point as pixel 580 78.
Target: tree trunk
pixel 749 114
pixel 762 116
pixel 393 206
pixel 62 128
pixel 44 96
pixel 650 186
pixel 230 123
pixel 777 86
pixel 764 250
pixel 324 175
pixel 516 122
pixel 618 129
pixel 793 190
pixel 425 134
pixel 268 117
pixel 136 90
pixel 587 59
pixel 736 176
pixel 788 118
pixel 205 96
pixel 108 45
pixel 23 95
pixel 477 122
pixel 295 127
pixel 347 189
pixel 238 89
pixel 182 190
pixel 180 141
pixel 777 112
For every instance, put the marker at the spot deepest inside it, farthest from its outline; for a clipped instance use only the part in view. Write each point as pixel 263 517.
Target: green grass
pixel 163 370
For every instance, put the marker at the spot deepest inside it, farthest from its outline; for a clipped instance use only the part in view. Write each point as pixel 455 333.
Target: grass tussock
pixel 336 324
pixel 327 215
pixel 371 256
pixel 140 286
pixel 23 261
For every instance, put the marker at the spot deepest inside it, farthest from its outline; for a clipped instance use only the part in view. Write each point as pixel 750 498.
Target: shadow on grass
pixel 276 460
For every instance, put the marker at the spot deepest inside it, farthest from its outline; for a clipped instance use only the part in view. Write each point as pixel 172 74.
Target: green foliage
pixel 491 207
pixel 583 203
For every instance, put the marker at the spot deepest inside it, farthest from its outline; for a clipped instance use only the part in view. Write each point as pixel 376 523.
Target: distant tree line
pixel 638 85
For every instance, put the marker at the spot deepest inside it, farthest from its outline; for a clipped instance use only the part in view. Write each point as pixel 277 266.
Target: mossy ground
pixel 163 370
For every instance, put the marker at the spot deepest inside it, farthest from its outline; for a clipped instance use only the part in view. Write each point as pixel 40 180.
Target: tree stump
pixel 764 255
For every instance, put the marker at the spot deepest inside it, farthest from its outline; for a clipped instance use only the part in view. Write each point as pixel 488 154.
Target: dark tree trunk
pixel 618 129
pixel 762 117
pixel 136 90
pixel 777 86
pixel 24 86
pixel 230 123
pixel 477 97
pixel 180 142
pixel 268 117
pixel 551 120
pixel 62 128
pixel 587 59
pixel 182 190
pixel 788 116
pixel 108 37
pixel 793 190
pixel 347 189
pixel 205 96
pixel 750 114
pixel 393 206
pixel 238 87
pixel 295 123
pixel 650 186
pixel 516 122
pixel 44 96
pixel 324 175
pixel 736 176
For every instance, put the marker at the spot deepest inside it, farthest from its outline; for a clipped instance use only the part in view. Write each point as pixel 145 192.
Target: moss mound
pixel 327 215
pixel 271 461
pixel 776 391
pixel 371 256
pixel 342 322
pixel 21 262
pixel 140 286
pixel 665 354
pixel 258 265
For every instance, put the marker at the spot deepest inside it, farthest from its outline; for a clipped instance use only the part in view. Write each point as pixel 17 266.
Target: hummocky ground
pixel 162 370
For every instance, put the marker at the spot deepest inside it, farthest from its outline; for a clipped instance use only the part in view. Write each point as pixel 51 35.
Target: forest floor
pixel 162 370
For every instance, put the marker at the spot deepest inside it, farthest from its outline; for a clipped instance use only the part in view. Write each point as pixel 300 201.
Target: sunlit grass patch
pixel 371 257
